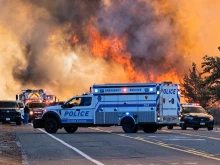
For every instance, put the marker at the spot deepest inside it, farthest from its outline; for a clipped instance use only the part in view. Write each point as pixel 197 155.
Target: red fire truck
pixel 30 95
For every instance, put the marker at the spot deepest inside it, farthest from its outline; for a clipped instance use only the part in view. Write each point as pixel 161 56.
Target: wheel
pixel 195 128
pixel 70 129
pixel 170 126
pixel 50 125
pixel 183 126
pixel 18 121
pixel 150 129
pixel 210 128
pixel 129 126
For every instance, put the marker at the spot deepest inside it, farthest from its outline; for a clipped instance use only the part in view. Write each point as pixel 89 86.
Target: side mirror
pixel 64 106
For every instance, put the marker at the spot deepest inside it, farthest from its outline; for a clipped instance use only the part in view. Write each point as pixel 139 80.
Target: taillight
pixel 158 116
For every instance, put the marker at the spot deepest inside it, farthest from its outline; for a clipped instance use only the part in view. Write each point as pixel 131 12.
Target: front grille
pixel 201 119
pixel 7 113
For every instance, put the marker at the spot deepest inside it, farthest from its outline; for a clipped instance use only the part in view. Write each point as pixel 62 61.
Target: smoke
pixel 47 44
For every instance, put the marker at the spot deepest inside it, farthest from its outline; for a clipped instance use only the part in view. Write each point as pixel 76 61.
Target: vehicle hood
pixel 36 109
pixel 199 115
pixel 55 107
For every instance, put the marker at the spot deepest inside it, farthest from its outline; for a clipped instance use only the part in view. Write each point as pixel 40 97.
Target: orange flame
pixel 113 48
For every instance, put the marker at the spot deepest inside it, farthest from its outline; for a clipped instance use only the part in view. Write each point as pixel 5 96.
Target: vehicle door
pixel 169 101
pixel 78 110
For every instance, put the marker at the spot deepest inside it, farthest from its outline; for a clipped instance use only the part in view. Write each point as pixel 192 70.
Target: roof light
pixel 127 113
pixel 124 89
pixel 96 90
pixel 151 89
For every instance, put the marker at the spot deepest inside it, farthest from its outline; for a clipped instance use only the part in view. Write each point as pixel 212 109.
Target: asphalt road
pixel 111 146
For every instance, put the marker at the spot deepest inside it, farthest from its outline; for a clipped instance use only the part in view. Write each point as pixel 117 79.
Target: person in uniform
pixel 26 114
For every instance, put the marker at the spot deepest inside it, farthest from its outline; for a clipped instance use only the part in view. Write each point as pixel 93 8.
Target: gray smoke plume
pixel 39 52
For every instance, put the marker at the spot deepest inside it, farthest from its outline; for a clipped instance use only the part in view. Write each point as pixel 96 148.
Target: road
pixel 111 146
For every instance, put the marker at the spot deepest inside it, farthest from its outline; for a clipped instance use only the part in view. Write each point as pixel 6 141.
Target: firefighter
pixel 26 114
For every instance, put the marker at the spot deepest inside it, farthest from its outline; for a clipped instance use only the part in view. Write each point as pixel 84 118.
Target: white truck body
pixel 147 104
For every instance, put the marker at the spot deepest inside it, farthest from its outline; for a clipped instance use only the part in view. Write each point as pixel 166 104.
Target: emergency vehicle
pixel 134 106
pixel 51 99
pixel 194 116
pixel 31 95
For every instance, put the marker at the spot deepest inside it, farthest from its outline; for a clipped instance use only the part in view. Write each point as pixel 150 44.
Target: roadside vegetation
pixel 204 87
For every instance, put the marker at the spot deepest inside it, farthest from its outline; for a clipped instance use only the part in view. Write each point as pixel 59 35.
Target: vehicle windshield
pixel 8 104
pixel 193 110
pixel 37 105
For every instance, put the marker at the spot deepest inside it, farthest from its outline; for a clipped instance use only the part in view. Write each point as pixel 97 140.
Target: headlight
pixel 31 113
pixel 189 118
pixel 211 118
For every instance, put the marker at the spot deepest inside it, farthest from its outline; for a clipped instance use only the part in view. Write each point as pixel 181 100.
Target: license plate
pixel 202 123
pixel 7 119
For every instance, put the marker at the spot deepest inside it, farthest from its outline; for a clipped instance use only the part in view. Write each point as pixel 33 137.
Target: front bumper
pixel 35 114
pixel 38 123
pixel 9 116
pixel 198 124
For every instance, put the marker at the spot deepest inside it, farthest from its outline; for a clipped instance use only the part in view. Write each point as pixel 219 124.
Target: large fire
pixel 66 46
pixel 114 49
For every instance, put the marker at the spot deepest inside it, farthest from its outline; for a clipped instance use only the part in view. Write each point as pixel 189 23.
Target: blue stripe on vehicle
pixel 77 120
pixel 124 101
pixel 144 93
pixel 124 105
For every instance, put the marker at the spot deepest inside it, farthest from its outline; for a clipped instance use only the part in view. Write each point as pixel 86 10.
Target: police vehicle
pixel 134 106
pixel 194 116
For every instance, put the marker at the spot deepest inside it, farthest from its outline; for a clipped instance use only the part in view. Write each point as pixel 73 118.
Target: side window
pixel 86 101
pixel 74 102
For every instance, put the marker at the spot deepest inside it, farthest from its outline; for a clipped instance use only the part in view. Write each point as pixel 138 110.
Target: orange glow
pixel 113 49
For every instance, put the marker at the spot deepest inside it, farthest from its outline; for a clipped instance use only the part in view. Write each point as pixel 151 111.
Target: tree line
pixel 203 87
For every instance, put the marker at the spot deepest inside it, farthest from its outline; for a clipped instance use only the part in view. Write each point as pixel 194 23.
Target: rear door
pixel 169 100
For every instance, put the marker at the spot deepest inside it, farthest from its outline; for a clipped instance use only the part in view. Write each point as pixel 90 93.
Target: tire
pixel 70 129
pixel 170 126
pixel 51 125
pixel 183 126
pixel 18 121
pixel 210 128
pixel 195 128
pixel 150 129
pixel 129 126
